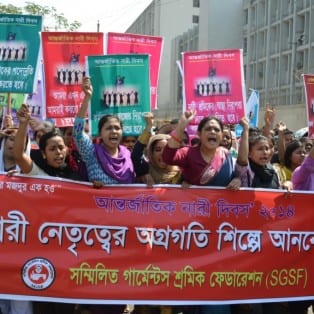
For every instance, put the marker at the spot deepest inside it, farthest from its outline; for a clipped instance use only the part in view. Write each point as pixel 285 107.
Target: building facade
pixel 211 32
pixel 167 19
pixel 277 38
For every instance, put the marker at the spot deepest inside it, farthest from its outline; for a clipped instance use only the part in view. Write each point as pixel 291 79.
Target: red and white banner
pixel 214 84
pixel 121 43
pixel 64 68
pixel 309 96
pixel 65 240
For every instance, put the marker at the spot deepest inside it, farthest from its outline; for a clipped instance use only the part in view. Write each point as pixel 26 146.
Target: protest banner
pixel 35 102
pixel 251 112
pixel 125 43
pixel 121 87
pixel 19 51
pixel 213 84
pixel 62 240
pixel 64 68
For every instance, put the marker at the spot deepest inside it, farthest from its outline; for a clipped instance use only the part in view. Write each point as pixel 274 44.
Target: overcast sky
pixel 113 15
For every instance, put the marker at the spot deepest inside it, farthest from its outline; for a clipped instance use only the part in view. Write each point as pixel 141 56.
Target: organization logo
pixel 38 273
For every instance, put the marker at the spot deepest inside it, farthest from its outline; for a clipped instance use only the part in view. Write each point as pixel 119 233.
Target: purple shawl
pixel 119 168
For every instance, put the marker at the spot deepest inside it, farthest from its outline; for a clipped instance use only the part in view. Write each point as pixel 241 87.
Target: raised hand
pixel 269 116
pixel 149 119
pixel 87 86
pixel 244 122
pixel 24 114
pixel 187 117
pixel 281 126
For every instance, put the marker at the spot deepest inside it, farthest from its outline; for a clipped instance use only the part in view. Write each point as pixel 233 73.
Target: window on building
pixel 261 75
pixel 195 19
pixel 261 41
pixel 196 3
pixel 273 72
pixel 252 73
pixel 274 39
pixel 252 48
pixel 244 71
pixel 299 64
pixel 300 24
pixel 253 18
pixel 274 10
pixel 287 34
pixel 245 45
pixel 246 17
pixel 284 72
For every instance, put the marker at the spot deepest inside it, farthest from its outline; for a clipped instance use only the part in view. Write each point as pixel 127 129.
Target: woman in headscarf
pixel 149 166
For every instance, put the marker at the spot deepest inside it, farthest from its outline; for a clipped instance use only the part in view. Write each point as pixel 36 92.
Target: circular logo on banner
pixel 38 273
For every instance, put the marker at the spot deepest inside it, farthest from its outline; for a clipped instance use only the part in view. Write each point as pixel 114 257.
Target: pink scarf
pixel 214 166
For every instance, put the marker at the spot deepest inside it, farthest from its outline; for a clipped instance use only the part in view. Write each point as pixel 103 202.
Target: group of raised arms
pixel 268 158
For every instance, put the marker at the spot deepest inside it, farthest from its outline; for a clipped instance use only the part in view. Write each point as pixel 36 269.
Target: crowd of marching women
pixel 269 158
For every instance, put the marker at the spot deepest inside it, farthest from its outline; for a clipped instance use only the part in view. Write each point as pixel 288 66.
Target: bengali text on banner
pixel 66 240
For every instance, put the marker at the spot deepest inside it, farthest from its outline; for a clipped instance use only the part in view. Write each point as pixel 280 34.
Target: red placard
pixel 214 84
pixel 64 68
pixel 121 43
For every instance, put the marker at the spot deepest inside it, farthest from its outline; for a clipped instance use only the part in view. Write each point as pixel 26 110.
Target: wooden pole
pixel 9 107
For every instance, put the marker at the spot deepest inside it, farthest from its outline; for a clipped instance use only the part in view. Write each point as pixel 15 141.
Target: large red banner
pixel 139 44
pixel 64 240
pixel 64 68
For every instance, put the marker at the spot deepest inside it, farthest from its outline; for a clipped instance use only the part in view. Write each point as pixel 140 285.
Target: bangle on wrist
pixel 144 137
pixel 175 138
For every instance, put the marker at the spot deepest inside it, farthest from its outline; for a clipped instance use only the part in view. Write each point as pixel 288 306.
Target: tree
pixel 55 21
